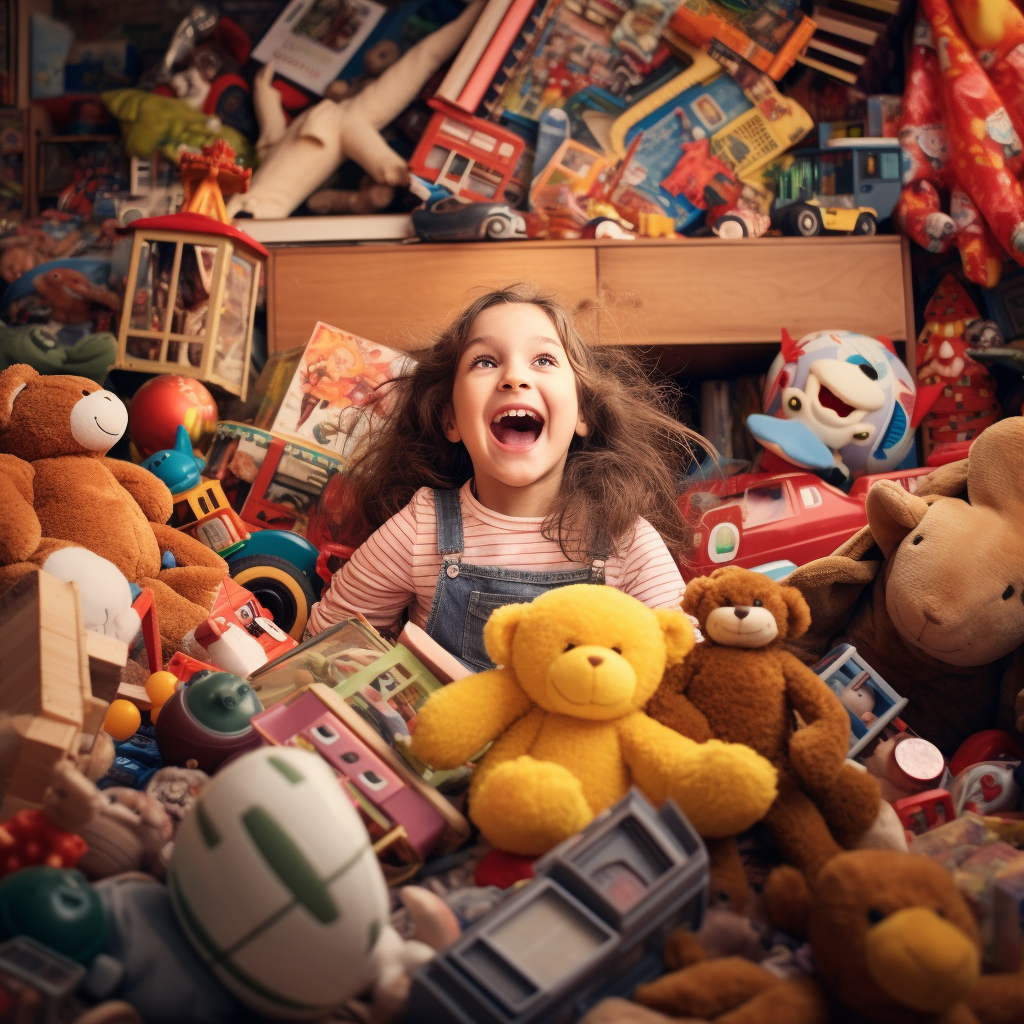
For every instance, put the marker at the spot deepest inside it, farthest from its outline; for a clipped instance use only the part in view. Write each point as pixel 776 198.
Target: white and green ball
pixel 274 880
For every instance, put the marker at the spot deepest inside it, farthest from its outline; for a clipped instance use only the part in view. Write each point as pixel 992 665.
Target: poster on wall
pixel 313 40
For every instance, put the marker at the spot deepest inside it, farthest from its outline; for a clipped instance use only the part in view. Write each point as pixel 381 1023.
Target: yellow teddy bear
pixel 569 732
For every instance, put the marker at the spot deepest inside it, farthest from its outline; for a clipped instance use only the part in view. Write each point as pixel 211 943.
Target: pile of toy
pixel 207 817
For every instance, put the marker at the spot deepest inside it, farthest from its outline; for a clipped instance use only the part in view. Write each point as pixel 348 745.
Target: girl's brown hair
pixel 629 464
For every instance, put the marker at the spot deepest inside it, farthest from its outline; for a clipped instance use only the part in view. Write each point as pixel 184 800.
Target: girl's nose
pixel 513 380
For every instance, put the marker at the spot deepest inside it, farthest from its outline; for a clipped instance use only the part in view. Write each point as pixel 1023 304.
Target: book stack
pixel 478 64
pixel 846 31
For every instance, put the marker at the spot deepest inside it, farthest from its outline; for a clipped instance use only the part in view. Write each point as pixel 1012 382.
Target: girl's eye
pixel 545 361
pixel 485 361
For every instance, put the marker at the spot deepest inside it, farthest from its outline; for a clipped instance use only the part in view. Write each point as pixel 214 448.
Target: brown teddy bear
pixel 893 941
pixel 57 490
pixel 741 685
pixel 930 592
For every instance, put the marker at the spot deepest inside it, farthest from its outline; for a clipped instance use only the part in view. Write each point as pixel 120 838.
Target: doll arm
pixel 461 718
pixel 818 750
pixel 150 494
pixel 20 531
pixel 723 788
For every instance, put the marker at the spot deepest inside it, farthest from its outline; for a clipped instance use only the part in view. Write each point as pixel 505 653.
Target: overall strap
pixel 449 522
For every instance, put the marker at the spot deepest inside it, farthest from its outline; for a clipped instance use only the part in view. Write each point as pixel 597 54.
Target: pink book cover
pixel 336 389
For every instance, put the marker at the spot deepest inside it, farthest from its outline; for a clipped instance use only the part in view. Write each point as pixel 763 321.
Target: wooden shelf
pixel 695 292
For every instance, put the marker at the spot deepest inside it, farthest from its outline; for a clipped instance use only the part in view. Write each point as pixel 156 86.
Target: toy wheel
pixel 497 227
pixel 866 225
pixel 279 587
pixel 730 226
pixel 807 223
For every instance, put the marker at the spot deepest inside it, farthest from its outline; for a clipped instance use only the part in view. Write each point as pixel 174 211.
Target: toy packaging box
pixel 334 390
pixel 869 700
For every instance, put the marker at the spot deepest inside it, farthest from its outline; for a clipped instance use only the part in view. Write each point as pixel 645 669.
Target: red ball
pixel 164 402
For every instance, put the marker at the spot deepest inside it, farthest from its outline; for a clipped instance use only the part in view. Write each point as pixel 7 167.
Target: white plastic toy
pixel 274 880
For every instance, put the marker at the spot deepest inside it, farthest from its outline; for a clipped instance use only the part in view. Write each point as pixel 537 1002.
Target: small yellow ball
pixel 122 720
pixel 160 686
pixel 154 713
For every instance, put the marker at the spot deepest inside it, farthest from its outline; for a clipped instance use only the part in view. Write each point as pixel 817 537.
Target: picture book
pixel 313 40
pixel 334 392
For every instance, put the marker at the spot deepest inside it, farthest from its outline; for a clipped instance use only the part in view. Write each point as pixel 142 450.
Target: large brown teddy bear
pixel 931 592
pixel 893 941
pixel 741 685
pixel 57 490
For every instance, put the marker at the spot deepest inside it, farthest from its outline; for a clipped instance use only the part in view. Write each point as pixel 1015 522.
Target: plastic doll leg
pixel 850 805
pixel 800 830
pixel 527 806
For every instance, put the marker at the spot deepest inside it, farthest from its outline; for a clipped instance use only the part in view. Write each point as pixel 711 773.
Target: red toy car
pixel 754 518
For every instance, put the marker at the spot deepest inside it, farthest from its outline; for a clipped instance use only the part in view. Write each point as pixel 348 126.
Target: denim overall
pixel 467 594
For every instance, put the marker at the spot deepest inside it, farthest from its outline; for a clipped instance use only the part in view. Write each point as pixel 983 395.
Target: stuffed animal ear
pixel 679 638
pixel 787 900
pixel 799 612
pixel 12 380
pixel 500 630
pixel 695 591
pixel 994 475
pixel 892 514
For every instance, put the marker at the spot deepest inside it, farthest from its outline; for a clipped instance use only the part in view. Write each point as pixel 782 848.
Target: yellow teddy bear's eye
pixel 617 650
pixel 569 647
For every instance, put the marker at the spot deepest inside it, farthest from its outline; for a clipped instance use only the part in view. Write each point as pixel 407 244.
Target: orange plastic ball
pixel 160 686
pixel 122 720
pixel 154 713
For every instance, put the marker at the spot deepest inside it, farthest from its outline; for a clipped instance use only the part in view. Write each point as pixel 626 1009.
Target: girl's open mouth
pixel 516 428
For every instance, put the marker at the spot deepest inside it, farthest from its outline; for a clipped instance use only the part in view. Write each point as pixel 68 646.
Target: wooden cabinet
pixel 654 292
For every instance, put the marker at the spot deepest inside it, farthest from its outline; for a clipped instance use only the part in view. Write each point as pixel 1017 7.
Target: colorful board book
pixel 334 393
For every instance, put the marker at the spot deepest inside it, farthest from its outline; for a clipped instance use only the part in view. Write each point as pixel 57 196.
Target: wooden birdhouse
pixel 193 281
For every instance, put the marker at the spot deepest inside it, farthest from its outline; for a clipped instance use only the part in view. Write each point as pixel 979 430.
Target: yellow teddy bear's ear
pixel 500 629
pixel 679 638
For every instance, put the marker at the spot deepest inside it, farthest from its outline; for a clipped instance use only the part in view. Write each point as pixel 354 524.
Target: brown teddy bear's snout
pixel 742 625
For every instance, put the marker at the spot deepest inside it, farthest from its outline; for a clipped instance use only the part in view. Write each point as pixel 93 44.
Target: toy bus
pixel 849 186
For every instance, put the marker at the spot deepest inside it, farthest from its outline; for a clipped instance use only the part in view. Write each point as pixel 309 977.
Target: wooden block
pixel 60 680
pixel 136 694
pixel 107 657
pixel 94 710
pixel 37 745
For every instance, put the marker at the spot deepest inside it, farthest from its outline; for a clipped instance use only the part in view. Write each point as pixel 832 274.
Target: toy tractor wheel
pixel 807 222
pixel 730 226
pixel 281 588
pixel 497 227
pixel 866 225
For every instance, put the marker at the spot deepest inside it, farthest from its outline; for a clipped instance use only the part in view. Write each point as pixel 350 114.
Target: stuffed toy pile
pixel 570 736
pixel 931 592
pixel 58 491
pixel 893 942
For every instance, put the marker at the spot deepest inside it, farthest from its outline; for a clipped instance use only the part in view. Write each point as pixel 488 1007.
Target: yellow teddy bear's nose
pixel 592 679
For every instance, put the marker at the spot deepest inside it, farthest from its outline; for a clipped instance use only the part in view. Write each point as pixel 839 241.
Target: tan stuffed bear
pixel 942 617
pixel 569 732
pixel 893 941
pixel 57 491
pixel 743 686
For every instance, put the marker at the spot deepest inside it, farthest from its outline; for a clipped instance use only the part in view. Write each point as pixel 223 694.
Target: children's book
pixel 313 40
pixel 336 390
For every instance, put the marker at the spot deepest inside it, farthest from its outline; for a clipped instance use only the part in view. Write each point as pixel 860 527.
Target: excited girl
pixel 516 459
